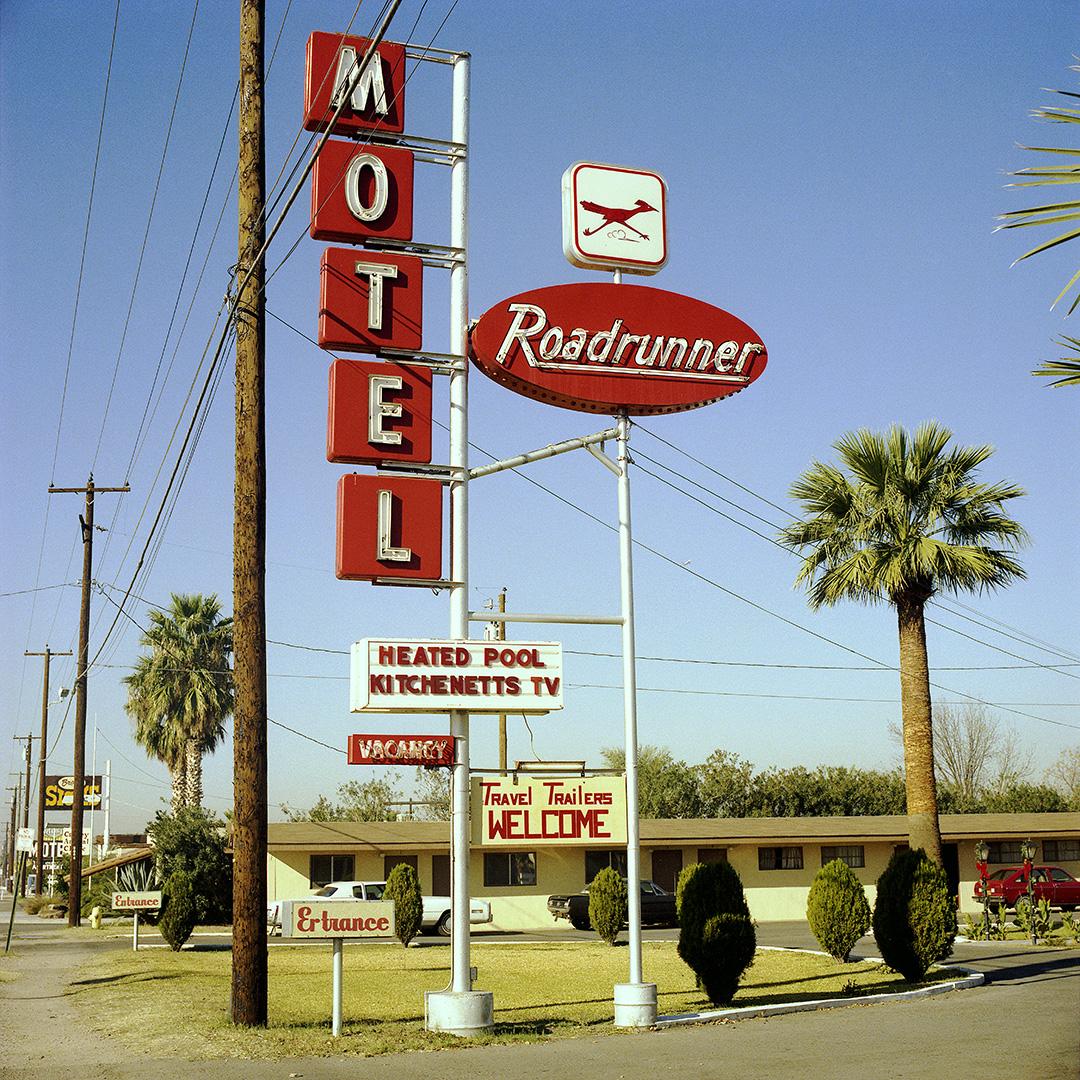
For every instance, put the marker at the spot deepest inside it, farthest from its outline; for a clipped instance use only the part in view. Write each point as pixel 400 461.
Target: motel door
pixel 666 866
pixel 950 861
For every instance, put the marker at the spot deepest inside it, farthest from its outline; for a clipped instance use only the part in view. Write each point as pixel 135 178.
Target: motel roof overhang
pixel 417 836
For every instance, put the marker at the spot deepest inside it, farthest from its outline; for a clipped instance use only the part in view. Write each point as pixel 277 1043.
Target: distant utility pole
pixel 43 749
pixel 79 768
pixel 20 886
pixel 9 854
pixel 249 974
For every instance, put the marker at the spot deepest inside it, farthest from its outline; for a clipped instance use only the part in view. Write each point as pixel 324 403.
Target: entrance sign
pixel 137 901
pixel 378 97
pixel 598 347
pixel 441 676
pixel 370 301
pixel 389 527
pixel 426 751
pixel 509 812
pixel 59 792
pixel 337 918
pixel 614 218
pixel 361 192
pixel 379 412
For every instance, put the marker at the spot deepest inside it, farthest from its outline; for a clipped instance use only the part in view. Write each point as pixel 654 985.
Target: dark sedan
pixel 657 907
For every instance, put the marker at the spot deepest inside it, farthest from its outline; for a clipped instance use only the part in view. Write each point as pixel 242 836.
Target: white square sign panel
pixel 614 218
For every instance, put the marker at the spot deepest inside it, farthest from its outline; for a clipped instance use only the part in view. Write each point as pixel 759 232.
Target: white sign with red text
pixel 137 901
pixel 508 811
pixel 337 918
pixel 439 676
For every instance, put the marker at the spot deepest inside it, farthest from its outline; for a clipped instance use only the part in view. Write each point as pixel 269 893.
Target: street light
pixel 982 855
pixel 1027 853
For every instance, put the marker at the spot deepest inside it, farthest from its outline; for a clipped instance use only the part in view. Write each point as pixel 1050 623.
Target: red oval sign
pixel 599 347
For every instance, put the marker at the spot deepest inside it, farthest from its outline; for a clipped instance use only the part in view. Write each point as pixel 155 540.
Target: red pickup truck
pixel 1008 887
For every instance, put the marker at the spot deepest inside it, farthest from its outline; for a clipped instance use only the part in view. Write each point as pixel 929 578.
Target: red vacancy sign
pixel 378 412
pixel 427 751
pixel 370 301
pixel 389 527
pixel 361 192
pixel 377 101
pixel 598 347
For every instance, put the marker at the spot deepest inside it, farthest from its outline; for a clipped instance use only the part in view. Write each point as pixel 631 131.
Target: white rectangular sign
pixel 337 918
pixel 137 901
pixel 24 840
pixel 391 676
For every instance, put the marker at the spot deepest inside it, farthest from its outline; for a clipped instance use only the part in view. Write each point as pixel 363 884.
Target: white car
pixel 435 918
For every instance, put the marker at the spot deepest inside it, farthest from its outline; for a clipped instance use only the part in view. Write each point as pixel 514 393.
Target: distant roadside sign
pixel 24 840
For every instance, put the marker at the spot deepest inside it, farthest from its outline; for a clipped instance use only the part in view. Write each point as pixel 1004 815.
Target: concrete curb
pixel 970 979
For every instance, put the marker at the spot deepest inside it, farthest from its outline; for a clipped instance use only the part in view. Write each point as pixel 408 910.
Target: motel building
pixel 776 858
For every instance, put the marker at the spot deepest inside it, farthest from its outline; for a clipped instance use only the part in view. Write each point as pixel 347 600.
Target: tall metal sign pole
pixel 48 654
pixel 249 974
pixel 78 770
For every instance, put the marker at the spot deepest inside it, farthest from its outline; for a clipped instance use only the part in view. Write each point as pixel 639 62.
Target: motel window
pixel 510 868
pixel 1061 850
pixel 1005 851
pixel 326 868
pixel 712 854
pixel 852 854
pixel 779 858
pixel 390 861
pixel 595 861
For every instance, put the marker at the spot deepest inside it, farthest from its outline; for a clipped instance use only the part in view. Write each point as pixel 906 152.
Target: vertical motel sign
pixel 371 302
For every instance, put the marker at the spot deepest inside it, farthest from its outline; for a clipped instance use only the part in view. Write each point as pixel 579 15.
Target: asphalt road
pixel 1024 1024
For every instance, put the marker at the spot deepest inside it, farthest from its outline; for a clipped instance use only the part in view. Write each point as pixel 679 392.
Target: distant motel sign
pixel 59 792
pixel 508 812
pixel 426 751
pixel 337 918
pixel 440 676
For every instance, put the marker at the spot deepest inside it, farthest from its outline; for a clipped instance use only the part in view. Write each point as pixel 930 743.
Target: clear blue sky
pixel 834 171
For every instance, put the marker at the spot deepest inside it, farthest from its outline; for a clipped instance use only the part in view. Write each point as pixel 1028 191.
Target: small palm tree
pixel 906 520
pixel 181 692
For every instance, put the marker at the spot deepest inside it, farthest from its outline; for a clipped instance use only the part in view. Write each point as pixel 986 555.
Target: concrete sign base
pixel 466 1013
pixel 635 1004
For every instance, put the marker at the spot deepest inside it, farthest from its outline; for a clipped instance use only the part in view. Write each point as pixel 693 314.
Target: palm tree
pixel 181 692
pixel 906 520
pixel 1065 371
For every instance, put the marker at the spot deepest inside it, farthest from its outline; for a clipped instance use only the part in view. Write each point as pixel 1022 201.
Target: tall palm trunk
pixel 915 707
pixel 193 761
pixel 178 775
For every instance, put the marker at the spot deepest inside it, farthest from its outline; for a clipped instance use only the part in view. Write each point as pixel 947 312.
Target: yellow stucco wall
pixel 772 895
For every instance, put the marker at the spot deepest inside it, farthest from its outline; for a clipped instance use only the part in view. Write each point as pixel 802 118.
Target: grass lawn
pixel 178 1002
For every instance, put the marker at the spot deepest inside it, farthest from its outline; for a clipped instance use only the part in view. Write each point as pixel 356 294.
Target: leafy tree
pixel 1026 799
pixel 193 841
pixel 179 909
pixel 181 693
pixel 403 887
pixel 666 788
pixel 1064 776
pixel 836 909
pixel 727 785
pixel 906 520
pixel 914 916
pixel 432 790
pixel 607 904
pixel 360 800
pixel 1066 371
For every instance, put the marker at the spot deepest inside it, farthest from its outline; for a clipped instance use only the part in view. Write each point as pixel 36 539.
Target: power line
pixel 39 588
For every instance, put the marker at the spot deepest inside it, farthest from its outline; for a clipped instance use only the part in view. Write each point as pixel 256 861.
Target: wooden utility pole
pixel 78 770
pixel 20 884
pixel 48 654
pixel 249 977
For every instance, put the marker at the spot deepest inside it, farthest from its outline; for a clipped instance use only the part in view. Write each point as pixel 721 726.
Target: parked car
pixel 435 919
pixel 1008 887
pixel 657 907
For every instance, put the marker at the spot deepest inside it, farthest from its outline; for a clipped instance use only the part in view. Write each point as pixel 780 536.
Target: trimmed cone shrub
pixel 179 909
pixel 914 917
pixel 607 904
pixel 836 909
pixel 403 887
pixel 716 936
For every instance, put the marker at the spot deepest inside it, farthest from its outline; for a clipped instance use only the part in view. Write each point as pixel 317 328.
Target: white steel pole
pixel 107 801
pixel 93 772
pixel 338 951
pixel 626 578
pixel 459 517
pixel 135 933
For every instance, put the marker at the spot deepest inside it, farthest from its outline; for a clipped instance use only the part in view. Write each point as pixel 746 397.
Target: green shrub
pixel 836 909
pixel 716 936
pixel 403 887
pixel 179 909
pixel 914 917
pixel 193 840
pixel 607 904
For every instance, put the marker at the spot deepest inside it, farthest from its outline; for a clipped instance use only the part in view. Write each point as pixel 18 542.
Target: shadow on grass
pixel 79 986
